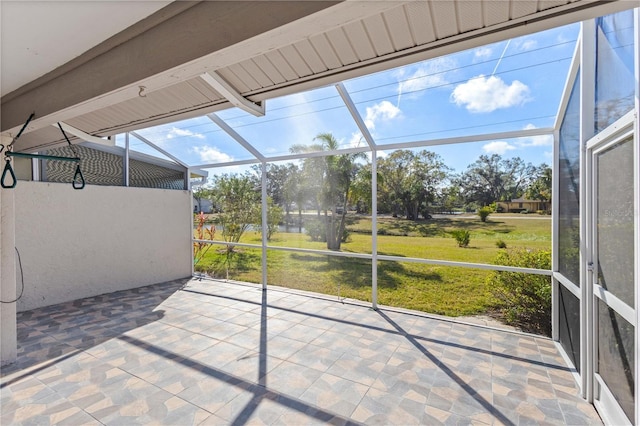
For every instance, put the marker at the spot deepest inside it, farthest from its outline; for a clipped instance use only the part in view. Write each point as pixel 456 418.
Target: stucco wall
pixel 76 244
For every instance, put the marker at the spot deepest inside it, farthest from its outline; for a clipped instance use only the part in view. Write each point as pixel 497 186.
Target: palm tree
pixel 332 177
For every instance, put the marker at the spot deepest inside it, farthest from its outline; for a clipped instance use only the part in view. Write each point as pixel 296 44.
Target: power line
pixel 381 86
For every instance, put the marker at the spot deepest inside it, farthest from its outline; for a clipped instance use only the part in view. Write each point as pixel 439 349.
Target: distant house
pixel 518 205
pixel 202 205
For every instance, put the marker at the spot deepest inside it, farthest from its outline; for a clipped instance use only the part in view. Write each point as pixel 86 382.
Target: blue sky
pixel 504 86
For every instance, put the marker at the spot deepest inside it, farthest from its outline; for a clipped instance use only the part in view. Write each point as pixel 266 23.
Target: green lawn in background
pixel 436 289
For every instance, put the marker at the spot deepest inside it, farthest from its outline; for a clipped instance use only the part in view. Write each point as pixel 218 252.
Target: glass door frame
pixel 617 132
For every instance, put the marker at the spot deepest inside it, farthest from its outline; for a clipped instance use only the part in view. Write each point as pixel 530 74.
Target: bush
pixel 484 213
pixel 316 230
pixel 525 211
pixel 462 237
pixel 524 299
pixel 501 244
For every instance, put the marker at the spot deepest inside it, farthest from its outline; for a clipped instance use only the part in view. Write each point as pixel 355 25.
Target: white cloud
pixel 498 147
pixel 487 94
pixel 482 52
pixel 384 110
pixel 355 141
pixel 414 78
pixel 544 140
pixel 211 154
pixel 176 132
pixel 526 44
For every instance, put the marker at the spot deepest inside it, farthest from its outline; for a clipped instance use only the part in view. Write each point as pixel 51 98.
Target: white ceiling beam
pixel 83 135
pixel 230 93
pixel 157 148
pixel 316 154
pixel 228 164
pixel 346 98
pixel 514 134
pixel 242 141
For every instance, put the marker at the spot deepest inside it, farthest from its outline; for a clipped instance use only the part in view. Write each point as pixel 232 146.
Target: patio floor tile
pixel 207 352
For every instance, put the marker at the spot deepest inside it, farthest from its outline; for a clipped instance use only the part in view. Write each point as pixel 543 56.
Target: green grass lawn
pixel 436 289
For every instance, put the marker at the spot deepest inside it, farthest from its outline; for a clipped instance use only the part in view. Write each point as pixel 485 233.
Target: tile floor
pixel 210 352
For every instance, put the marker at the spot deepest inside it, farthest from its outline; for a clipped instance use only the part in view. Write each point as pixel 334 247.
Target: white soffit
pixel 377 36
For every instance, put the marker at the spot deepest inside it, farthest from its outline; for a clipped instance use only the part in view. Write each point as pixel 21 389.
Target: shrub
pixel 462 237
pixel 316 230
pixel 524 300
pixel 501 244
pixel 525 211
pixel 484 213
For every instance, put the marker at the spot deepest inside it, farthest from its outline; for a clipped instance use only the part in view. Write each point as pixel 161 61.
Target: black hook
pixel 78 179
pixel 8 169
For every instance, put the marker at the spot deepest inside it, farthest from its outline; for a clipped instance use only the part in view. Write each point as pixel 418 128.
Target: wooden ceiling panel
pixel 522 8
pixel 269 69
pixel 325 51
pixel 245 77
pixel 310 56
pixel 495 12
pixel 257 73
pixel 445 18
pixel 469 15
pixel 231 78
pixel 296 61
pixel 360 40
pixel 281 64
pixel 204 88
pixel 377 30
pixel 398 27
pixel 342 46
pixel 419 17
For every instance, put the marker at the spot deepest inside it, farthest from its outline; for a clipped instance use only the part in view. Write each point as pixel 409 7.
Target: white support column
pixel 265 223
pixel 374 229
pixel 555 214
pixel 126 164
pixel 636 38
pixel 587 123
pixel 192 219
pixel 8 324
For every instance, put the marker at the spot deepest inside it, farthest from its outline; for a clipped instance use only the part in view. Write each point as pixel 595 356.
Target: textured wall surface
pixel 101 239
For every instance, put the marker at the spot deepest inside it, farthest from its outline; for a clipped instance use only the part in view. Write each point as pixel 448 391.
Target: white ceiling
pixel 39 36
pixel 345 40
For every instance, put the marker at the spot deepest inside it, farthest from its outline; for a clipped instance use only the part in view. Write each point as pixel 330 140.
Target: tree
pixel 274 217
pixel 360 194
pixel 283 186
pixel 491 178
pixel 330 178
pixel 239 201
pixel 412 180
pixel 540 188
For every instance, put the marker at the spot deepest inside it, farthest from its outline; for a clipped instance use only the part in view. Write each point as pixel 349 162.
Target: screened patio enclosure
pixel 590 122
pixel 585 127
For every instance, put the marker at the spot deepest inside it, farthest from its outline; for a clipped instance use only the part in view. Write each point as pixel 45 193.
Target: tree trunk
pixel 342 221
